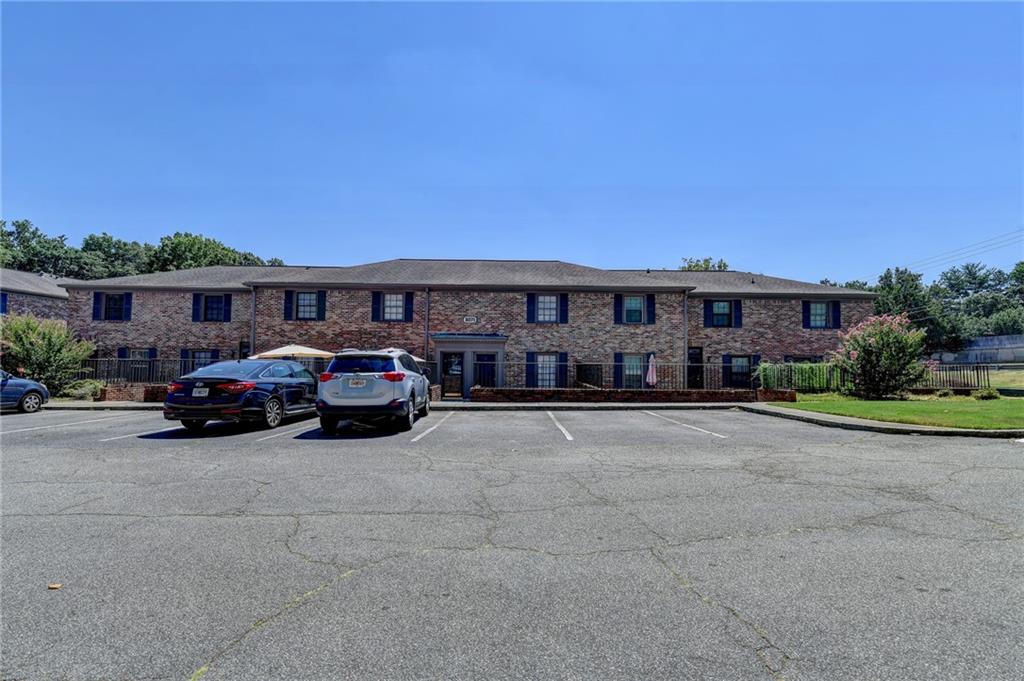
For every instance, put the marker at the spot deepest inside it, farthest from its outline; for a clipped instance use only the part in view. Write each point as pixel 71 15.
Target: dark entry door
pixel 451 374
pixel 695 370
pixel 485 369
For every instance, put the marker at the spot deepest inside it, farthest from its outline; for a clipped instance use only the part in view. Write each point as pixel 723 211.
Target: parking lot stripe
pixel 148 432
pixel 287 432
pixel 432 428
pixel 75 423
pixel 560 427
pixel 685 425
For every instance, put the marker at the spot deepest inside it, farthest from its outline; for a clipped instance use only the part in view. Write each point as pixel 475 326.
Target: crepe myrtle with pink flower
pixel 882 357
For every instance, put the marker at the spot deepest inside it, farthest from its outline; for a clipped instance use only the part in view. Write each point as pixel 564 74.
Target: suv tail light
pixel 235 388
pixel 393 376
pixel 175 387
pixel 326 376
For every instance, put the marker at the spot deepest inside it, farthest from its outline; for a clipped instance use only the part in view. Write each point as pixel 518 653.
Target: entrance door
pixel 695 370
pixel 451 374
pixel 485 369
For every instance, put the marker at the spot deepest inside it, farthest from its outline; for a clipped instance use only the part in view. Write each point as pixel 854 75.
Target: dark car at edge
pixel 250 390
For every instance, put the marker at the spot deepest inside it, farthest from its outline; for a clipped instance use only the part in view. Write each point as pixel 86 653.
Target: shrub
pixel 944 392
pixel 881 357
pixel 44 349
pixel 86 389
pixel 986 394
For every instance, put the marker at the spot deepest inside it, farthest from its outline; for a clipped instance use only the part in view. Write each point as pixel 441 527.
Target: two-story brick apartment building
pixel 33 294
pixel 510 322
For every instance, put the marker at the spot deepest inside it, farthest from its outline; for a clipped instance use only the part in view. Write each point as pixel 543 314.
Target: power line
pixel 1013 235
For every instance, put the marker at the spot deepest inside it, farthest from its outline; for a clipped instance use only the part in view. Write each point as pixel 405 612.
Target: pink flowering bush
pixel 881 357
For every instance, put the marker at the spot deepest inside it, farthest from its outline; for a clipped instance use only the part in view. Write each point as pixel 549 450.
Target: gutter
pixel 252 323
pixel 426 326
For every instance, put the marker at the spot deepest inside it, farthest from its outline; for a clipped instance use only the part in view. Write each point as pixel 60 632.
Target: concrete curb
pixel 443 406
pixel 850 423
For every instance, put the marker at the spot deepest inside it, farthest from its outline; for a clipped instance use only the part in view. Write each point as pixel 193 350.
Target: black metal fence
pixel 597 376
pixel 115 371
pixel 824 377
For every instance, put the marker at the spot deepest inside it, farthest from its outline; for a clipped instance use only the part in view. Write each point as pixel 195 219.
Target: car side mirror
pixel 425 371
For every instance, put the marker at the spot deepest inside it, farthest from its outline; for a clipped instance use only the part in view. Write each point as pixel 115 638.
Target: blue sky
pixel 804 140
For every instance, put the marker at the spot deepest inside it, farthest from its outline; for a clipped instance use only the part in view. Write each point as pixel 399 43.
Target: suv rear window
pixel 361 365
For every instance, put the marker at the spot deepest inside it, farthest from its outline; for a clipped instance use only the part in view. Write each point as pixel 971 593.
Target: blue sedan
pixel 254 390
pixel 28 396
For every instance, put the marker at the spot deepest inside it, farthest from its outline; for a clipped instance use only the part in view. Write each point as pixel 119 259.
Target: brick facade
pixel 772 327
pixel 44 307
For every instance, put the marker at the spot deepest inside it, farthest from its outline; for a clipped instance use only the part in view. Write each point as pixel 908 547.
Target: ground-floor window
pixel 633 372
pixel 547 369
pixel 740 371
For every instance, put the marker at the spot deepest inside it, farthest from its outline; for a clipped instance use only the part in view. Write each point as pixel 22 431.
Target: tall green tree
pixel 184 250
pixel 704 265
pixel 117 257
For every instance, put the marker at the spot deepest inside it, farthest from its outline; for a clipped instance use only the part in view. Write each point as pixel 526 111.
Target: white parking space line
pixel 74 423
pixel 148 432
pixel 1021 440
pixel 685 425
pixel 560 427
pixel 432 428
pixel 304 426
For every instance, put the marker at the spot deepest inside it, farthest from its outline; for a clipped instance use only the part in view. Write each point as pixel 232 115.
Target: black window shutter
pixel 837 315
pixel 807 314
pixel 563 308
pixel 321 305
pixel 152 353
pixel 726 371
pixel 737 314
pixel 531 370
pixel 97 305
pixel 185 368
pixel 127 316
pixel 122 353
pixel 215 355
pixel 197 307
pixel 227 307
pixel 531 308
pixel 3 302
pixel 708 320
pixel 375 306
pixel 650 309
pixel 618 308
pixel 617 371
pixel 563 370
pixel 289 305
pixel 410 297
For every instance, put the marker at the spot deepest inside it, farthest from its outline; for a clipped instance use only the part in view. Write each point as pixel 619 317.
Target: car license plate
pixel 200 392
pixel 357 382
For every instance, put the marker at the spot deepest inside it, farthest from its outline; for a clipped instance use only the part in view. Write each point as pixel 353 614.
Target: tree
pixel 184 250
pixel 858 284
pixel 118 258
pixel 882 357
pixel 972 278
pixel 25 247
pixel 45 349
pixel 1007 322
pixel 704 265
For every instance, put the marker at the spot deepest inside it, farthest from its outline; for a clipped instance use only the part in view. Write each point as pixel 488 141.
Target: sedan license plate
pixel 357 382
pixel 200 392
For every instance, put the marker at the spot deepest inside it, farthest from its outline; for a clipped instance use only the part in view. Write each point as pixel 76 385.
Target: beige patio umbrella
pixel 293 351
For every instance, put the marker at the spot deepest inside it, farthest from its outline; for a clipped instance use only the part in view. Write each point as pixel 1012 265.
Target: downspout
pixel 686 339
pixel 426 325
pixel 252 323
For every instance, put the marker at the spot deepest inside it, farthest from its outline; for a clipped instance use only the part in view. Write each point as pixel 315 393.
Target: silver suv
pixel 378 383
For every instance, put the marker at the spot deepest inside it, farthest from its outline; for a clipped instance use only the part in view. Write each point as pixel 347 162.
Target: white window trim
pixel 384 306
pixel 553 310
pixel 298 307
pixel 643 308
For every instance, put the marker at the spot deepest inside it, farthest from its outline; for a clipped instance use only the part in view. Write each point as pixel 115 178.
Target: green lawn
pixel 1007 378
pixel 954 412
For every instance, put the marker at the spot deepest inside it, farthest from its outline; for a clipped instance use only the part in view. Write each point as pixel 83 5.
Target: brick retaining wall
pixel 479 394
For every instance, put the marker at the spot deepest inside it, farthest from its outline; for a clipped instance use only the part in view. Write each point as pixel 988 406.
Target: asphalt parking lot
pixel 670 544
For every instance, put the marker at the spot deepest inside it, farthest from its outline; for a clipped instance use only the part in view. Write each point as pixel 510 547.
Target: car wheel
pixel 193 425
pixel 405 422
pixel 273 412
pixel 425 409
pixel 30 402
pixel 328 425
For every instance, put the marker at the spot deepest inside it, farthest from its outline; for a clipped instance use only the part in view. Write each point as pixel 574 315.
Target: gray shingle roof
pixel 471 274
pixel 754 285
pixel 402 273
pixel 34 284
